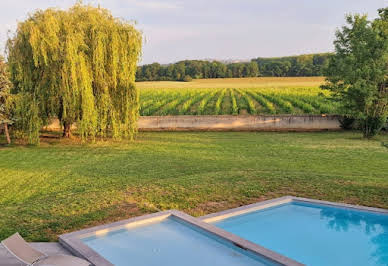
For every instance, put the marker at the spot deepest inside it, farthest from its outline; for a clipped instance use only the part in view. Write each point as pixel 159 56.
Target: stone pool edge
pixel 213 217
pixel 72 241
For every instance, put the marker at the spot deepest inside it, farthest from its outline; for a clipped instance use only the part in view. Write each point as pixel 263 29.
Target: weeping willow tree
pixel 79 66
pixel 5 86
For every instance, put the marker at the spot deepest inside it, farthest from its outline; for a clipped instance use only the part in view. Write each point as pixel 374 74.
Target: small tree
pixel 79 66
pixel 188 78
pixel 357 73
pixel 5 86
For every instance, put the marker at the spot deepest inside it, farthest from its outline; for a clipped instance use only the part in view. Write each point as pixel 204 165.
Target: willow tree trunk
pixel 66 130
pixel 7 133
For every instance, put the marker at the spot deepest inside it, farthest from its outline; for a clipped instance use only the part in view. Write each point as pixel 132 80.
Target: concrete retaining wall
pixel 232 123
pixel 239 123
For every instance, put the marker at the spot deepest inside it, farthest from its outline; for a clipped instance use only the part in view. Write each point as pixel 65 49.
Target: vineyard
pixel 234 101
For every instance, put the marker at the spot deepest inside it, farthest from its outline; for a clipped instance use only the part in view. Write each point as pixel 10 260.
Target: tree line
pixel 290 66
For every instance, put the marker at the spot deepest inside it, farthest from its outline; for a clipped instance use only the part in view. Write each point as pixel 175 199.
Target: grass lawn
pixel 60 187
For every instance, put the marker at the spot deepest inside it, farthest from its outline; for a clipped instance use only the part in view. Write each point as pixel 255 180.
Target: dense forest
pixel 291 66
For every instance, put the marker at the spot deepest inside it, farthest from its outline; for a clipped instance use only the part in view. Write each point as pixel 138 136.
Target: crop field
pixel 232 101
pixel 235 96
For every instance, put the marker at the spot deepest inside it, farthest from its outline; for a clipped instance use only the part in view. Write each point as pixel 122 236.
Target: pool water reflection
pixel 316 234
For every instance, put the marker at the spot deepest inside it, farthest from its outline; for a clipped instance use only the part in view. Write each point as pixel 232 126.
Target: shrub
pixel 188 78
pixel 347 122
pixel 371 126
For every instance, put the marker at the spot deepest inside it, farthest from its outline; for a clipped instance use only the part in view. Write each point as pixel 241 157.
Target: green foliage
pixel 250 102
pixel 261 100
pixel 358 72
pixel 284 106
pixel 220 98
pixel 194 99
pixel 204 102
pixel 79 66
pixel 5 86
pixel 235 108
pixel 298 102
pixel 371 126
pixel 196 69
pixel 158 100
pixel 188 78
pixel 347 122
pixel 321 103
pixel 28 122
pixel 171 107
pixel 292 66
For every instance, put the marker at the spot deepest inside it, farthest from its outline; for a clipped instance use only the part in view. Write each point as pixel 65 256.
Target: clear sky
pixel 219 29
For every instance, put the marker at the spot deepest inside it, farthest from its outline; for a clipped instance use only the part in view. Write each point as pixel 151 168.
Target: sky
pixel 175 30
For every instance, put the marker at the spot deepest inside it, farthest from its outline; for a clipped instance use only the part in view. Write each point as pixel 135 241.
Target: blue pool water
pixel 316 234
pixel 169 242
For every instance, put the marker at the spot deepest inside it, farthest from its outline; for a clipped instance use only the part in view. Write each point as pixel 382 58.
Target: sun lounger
pixel 16 245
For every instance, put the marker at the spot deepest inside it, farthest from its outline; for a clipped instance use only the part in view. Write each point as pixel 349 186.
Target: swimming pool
pixel 166 238
pixel 166 243
pixel 312 232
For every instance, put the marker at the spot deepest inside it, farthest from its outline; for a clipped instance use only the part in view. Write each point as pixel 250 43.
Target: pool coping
pixel 72 241
pixel 213 217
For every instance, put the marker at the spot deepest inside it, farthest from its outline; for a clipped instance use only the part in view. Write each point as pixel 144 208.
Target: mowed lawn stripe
pixel 61 187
